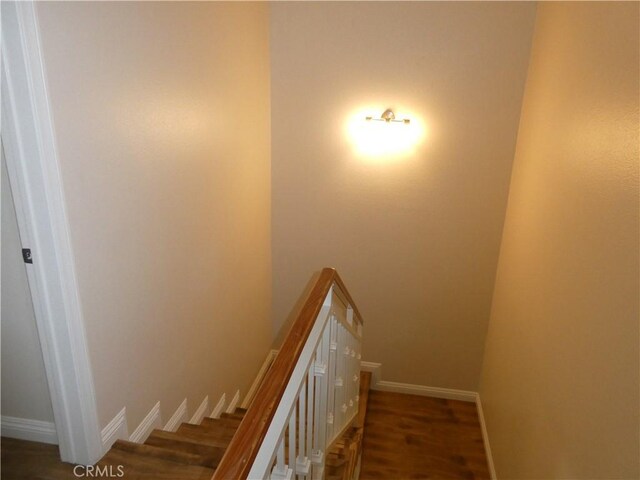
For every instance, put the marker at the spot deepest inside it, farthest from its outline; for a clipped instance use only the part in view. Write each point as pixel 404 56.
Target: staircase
pixel 194 451
pixel 305 422
pixel 191 452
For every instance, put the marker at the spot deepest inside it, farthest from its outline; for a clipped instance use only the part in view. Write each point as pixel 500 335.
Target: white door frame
pixel 34 171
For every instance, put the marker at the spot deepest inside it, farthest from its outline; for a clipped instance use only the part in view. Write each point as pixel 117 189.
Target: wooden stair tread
pixel 170 454
pixel 212 429
pixel 159 437
pixel 234 415
pixel 142 466
pixel 197 453
pixel 204 435
pixel 226 422
pixel 194 451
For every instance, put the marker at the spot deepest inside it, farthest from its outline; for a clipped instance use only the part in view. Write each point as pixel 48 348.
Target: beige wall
pixel 162 120
pixel 416 238
pixel 25 393
pixel 560 376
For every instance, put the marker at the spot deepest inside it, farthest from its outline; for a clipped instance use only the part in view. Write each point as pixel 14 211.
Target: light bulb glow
pixel 378 140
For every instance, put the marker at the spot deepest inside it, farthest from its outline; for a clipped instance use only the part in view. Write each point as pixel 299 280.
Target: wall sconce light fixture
pixel 386 137
pixel 388 116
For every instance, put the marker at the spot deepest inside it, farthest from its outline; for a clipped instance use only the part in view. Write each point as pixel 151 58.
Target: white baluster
pixel 331 400
pixel 340 391
pixel 302 429
pixel 280 458
pixel 352 353
pixel 349 373
pixel 320 378
pixel 292 439
pixel 321 403
pixel 349 376
pixel 358 359
pixel 356 364
pixel 304 422
pixel 305 468
pixel 280 470
pixel 355 370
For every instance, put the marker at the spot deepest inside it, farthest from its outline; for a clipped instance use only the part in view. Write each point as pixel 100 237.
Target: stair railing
pixel 308 398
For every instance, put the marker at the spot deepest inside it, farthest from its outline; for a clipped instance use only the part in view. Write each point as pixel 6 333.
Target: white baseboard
pixel 271 356
pixel 410 389
pixel 27 429
pixel 219 407
pixel 233 403
pixel 179 416
pixel 151 421
pixel 485 439
pixel 374 368
pixel 200 412
pixel 115 429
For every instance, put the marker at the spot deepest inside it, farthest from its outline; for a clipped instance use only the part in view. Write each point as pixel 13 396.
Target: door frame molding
pixel 34 172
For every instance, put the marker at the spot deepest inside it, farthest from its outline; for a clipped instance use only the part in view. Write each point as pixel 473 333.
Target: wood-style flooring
pixel 405 437
pixel 22 460
pixel 413 437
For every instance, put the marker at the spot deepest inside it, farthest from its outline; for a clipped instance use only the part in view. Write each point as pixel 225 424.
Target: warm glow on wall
pixel 380 139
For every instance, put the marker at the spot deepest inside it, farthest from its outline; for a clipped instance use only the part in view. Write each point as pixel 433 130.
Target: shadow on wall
pixel 281 334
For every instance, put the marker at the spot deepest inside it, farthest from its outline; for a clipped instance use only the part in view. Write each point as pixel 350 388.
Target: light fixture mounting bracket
pixel 388 116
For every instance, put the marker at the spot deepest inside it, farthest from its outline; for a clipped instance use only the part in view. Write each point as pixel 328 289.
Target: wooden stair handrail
pixel 243 448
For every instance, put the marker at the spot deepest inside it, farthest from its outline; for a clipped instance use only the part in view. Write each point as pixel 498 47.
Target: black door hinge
pixel 26 255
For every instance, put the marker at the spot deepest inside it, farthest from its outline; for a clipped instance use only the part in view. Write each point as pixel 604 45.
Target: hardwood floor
pixel 405 437
pixel 412 437
pixel 22 460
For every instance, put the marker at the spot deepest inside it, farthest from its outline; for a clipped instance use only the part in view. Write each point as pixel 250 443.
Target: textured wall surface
pixel 560 378
pixel 414 236
pixel 161 113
